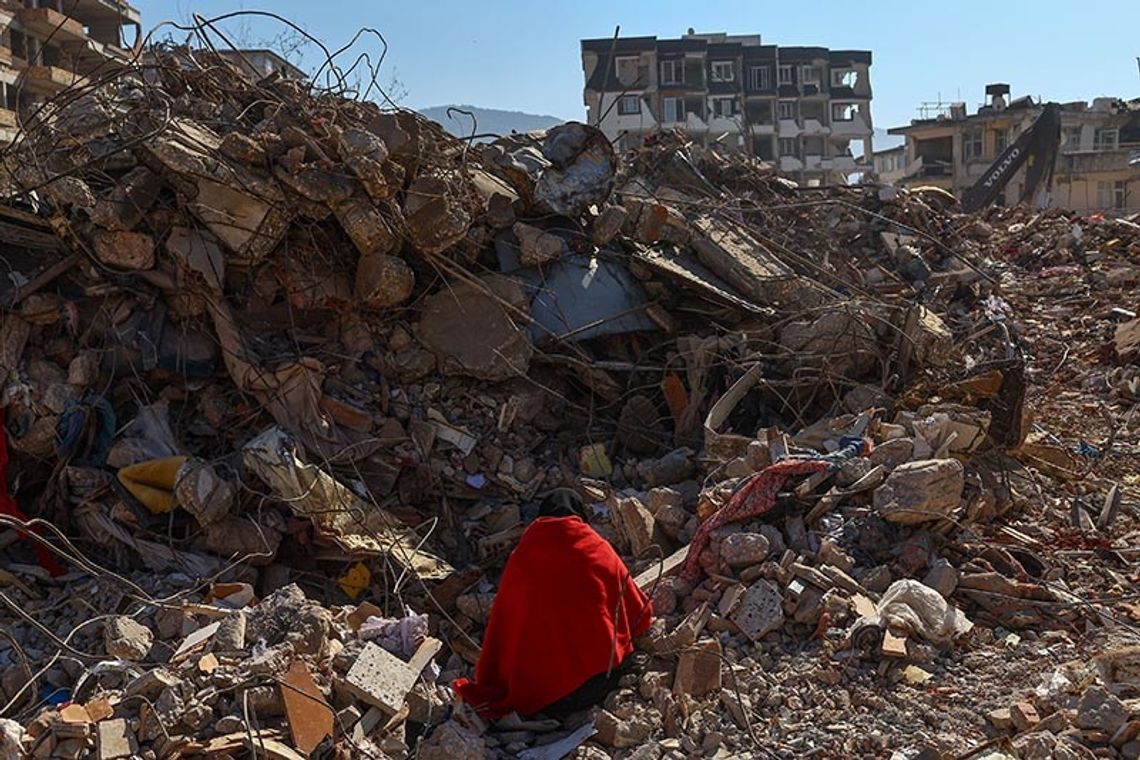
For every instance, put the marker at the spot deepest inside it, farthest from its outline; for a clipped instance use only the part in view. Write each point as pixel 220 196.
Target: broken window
pixel 673 72
pixel 629 105
pixel 19 45
pixel 843 78
pixel 1072 139
pixel 763 148
pixel 788 110
pixel 786 75
pixel 760 78
pixel 672 110
pixel 1112 195
pixel 789 147
pixel 760 111
pixel 722 71
pixel 724 108
pixel 972 145
pixel 1106 139
pixel 844 111
pixel 809 75
pixel 627 73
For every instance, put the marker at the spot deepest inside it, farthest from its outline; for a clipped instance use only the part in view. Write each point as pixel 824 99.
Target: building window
pixel 972 145
pixel 789 146
pixel 724 108
pixel 809 75
pixel 672 110
pixel 785 75
pixel 760 78
pixel 843 111
pixel 672 72
pixel 787 110
pixel 1106 139
pixel 627 72
pixel 842 78
pixel 1072 139
pixel 1001 141
pixel 1112 195
pixel 722 71
pixel 629 105
pixel 19 45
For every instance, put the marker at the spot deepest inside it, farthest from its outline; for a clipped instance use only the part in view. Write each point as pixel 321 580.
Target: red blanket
pixel 567 609
pixel 9 507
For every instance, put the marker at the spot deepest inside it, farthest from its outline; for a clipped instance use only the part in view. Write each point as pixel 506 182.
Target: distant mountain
pixel 488 120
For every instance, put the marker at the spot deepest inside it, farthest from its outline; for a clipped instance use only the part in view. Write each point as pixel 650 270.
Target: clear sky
pixel 524 55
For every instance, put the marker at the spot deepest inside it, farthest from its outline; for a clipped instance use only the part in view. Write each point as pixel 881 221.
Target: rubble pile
pixel 284 374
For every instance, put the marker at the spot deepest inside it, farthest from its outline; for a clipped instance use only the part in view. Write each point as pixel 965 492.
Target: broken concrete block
pixel 1127 341
pixel 698 669
pixel 607 225
pixel 287 615
pixel 124 250
pixel 366 154
pixel 130 198
pixel 761 611
pixel 634 522
pixel 383 281
pixel 942 577
pixel 382 679
pixel 365 226
pixel 744 549
pixel 639 429
pixel 922 491
pixel 927 336
pixel 840 341
pixel 1100 710
pixel 537 246
pixel 436 215
pixel 472 333
pixel 126 639
pixel 114 739
pixel 1000 718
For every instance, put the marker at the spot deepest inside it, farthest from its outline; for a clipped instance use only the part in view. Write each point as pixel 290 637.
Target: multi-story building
pixel 800 107
pixel 48 45
pixel 1092 173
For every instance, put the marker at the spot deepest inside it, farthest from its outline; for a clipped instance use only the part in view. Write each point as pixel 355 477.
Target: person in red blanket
pixel 563 622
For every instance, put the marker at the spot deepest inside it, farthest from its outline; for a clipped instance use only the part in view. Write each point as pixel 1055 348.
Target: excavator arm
pixel 1035 148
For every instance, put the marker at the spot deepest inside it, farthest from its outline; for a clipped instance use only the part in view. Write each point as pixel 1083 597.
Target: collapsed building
pixel 1095 168
pixel 283 374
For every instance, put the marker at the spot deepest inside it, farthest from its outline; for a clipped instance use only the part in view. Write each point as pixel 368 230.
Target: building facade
pixel 1093 171
pixel 890 164
pixel 799 107
pixel 48 45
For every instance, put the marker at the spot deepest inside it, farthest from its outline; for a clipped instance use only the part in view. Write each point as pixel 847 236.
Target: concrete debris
pixel 922 491
pixel 284 375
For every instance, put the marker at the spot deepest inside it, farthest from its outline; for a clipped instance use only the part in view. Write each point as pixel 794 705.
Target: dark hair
pixel 562 502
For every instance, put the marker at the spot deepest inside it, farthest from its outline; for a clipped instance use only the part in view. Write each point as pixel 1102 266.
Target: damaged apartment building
pixel 48 45
pixel 802 108
pixel 1095 171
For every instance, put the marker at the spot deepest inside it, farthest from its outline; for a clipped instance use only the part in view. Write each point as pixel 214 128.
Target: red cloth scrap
pixel 567 610
pixel 9 507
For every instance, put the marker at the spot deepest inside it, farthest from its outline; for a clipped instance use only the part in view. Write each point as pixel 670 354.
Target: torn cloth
pixel 567 609
pixel 756 497
pixel 9 507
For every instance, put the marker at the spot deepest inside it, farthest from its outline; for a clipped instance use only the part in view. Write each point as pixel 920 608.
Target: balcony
pixel 788 128
pixel 50 24
pixel 8 119
pixel 1092 162
pixel 47 79
pixel 814 162
pixel 856 127
pixel 104 11
pixel 791 164
pixel 816 127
